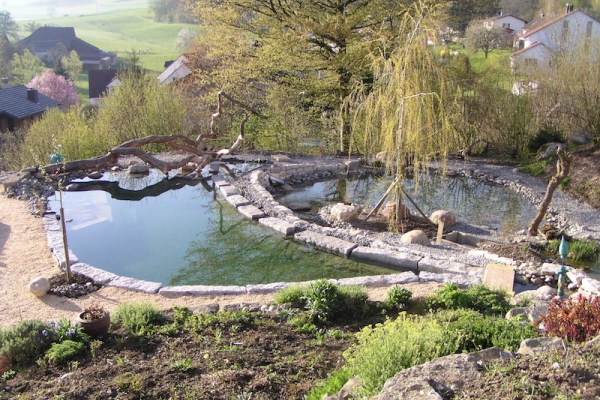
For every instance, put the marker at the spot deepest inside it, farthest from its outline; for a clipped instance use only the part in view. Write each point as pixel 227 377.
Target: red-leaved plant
pixel 576 319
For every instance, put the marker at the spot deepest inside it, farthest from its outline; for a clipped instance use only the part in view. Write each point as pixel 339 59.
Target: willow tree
pixel 312 49
pixel 410 112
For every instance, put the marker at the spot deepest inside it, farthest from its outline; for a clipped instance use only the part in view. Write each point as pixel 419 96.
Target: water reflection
pixel 475 203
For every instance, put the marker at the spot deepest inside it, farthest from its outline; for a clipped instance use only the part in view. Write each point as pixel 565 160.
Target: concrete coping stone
pixel 461 280
pixel 268 287
pixel 278 225
pixel 383 280
pixel 51 223
pixel 251 212
pixel 429 264
pixel 138 285
pixel 98 275
pixel 328 243
pixel 228 190
pixel 237 200
pixel 220 180
pixel 389 257
pixel 200 290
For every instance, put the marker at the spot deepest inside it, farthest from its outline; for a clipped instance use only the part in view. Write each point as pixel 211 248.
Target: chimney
pixel 32 95
pixel 569 9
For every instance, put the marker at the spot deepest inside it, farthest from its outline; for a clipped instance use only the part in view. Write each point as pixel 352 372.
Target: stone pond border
pixel 253 201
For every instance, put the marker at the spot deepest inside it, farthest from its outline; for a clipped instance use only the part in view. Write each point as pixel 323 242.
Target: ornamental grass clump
pixel 576 319
pixel 136 318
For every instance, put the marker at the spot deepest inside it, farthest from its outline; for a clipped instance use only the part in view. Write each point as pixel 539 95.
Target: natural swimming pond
pixel 494 207
pixel 185 236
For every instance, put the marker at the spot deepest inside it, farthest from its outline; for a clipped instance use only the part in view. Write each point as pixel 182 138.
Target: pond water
pixel 184 236
pixel 495 207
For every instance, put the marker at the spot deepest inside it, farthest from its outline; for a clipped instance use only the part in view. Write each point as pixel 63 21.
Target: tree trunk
pixel 563 166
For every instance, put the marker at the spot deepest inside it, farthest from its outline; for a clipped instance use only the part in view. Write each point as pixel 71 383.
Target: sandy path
pixel 24 255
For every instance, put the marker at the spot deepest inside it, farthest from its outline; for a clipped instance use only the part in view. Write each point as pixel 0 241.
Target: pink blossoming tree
pixel 56 87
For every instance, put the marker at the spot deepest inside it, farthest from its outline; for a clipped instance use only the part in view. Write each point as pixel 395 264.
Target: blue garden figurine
pixel 56 158
pixel 563 251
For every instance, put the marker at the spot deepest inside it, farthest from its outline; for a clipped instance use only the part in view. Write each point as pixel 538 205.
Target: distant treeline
pixel 169 11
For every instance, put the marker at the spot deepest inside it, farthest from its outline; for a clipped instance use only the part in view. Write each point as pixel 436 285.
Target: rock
pixel 579 138
pixel 348 391
pixel 448 217
pixel 211 308
pixel 550 150
pixel 541 345
pixel 415 237
pixel 300 206
pixel 132 162
pixel 572 286
pixel 95 175
pixel 389 211
pixel 280 158
pixel 189 167
pixel 545 293
pixel 287 187
pixel 352 164
pixel 39 286
pixel 115 168
pixel 344 213
pixel 138 169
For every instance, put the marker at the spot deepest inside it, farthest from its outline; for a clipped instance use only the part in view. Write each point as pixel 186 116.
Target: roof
pixel 48 37
pixel 497 17
pixel 521 51
pixel 176 70
pixel 15 104
pixel 542 23
pixel 98 81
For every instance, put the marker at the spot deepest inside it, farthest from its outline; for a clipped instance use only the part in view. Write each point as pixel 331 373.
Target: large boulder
pixel 415 237
pixel 550 150
pixel 344 213
pixel 39 286
pixel 448 217
pixel 580 138
pixel 138 169
pixel 541 345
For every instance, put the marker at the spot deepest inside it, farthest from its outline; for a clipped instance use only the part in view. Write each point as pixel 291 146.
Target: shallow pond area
pixel 186 236
pixel 494 207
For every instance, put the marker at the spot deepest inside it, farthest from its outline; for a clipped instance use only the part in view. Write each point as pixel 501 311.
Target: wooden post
pixel 440 232
pixel 63 226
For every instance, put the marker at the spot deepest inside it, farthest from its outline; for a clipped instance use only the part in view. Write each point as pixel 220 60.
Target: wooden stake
pixel 440 232
pixel 380 202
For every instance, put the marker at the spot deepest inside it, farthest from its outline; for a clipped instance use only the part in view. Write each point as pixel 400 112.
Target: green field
pixel 124 31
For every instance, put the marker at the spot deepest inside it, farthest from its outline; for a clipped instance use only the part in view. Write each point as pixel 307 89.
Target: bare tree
pixel 482 37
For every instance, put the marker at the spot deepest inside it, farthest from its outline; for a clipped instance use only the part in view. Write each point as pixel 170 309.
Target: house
pixel 174 71
pixel 540 40
pixel 20 106
pixel 45 40
pixel 100 81
pixel 509 23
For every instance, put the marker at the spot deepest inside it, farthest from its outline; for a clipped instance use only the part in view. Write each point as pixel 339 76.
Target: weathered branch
pixel 176 142
pixel 563 166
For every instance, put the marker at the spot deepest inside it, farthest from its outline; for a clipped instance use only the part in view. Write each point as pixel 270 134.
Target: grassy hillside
pixel 122 32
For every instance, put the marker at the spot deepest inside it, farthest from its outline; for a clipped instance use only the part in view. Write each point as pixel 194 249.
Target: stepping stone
pixel 499 276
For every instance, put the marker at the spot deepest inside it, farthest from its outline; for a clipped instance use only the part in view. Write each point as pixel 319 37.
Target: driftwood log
pixel 176 142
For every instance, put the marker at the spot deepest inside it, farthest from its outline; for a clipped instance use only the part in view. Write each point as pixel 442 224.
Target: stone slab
pixel 327 243
pixel 268 287
pixel 388 257
pixel 549 269
pixel 51 223
pixel 200 290
pixel 13 179
pixel 96 274
pixel 499 276
pixel 461 280
pixel 381 280
pixel 428 264
pixel 283 210
pixel 219 180
pixel 138 285
pixel 237 200
pixel 228 190
pixel 278 225
pixel 251 212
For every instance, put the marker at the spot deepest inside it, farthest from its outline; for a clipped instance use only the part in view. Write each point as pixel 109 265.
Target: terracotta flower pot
pixel 95 327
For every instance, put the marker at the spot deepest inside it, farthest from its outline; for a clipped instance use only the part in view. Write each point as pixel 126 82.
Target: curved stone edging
pixel 257 204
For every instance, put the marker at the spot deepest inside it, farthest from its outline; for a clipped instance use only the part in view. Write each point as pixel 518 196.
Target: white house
pixel 176 70
pixel 539 41
pixel 509 23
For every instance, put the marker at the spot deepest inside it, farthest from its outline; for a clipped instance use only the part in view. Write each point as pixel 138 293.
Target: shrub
pixel 325 301
pixel 64 351
pixel 25 342
pixel 478 297
pixel 136 317
pixel 384 350
pixel 64 330
pixel 474 331
pixel 544 135
pixel 576 319
pixel 579 250
pixel 398 297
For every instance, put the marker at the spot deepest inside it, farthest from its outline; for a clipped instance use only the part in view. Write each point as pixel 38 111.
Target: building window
pixel 588 29
pixel 505 25
pixel 530 62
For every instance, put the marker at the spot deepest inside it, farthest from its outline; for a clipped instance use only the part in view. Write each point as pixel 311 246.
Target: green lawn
pixel 122 32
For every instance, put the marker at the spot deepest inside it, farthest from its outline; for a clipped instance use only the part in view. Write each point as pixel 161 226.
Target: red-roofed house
pixel 540 40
